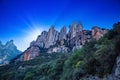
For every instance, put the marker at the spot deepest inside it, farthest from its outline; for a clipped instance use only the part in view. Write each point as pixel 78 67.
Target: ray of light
pixel 23 42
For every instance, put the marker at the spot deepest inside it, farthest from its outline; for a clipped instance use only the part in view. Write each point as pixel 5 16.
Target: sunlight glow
pixel 31 34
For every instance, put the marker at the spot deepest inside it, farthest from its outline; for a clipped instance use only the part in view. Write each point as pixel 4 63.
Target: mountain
pixel 95 60
pixel 8 52
pixel 61 42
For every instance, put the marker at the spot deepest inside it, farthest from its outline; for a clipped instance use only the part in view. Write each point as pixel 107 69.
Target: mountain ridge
pixel 96 60
pixel 8 52
pixel 53 41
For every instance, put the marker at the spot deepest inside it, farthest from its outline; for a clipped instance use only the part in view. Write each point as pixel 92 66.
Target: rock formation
pixel 62 34
pixel 52 37
pixel 98 32
pixel 8 52
pixel 117 69
pixel 61 42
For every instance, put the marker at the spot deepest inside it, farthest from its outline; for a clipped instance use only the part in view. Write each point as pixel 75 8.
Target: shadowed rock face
pixel 8 52
pixel 117 68
pixel 61 42
pixel 62 34
pixel 41 40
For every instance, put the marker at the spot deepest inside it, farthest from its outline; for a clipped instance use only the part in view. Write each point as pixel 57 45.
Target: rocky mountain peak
pixel 10 42
pixel 10 45
pixel 51 37
pixel 75 29
pixel 72 30
pixel 63 33
pixel 79 27
pixel 44 33
pixel 8 52
pixel 63 30
pixel 52 41
pixel 51 29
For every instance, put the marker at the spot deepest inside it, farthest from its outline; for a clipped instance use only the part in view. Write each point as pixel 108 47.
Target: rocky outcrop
pixel 8 52
pixel 52 37
pixel 72 30
pixel 59 49
pixel 97 32
pixel 41 40
pixel 46 39
pixel 117 68
pixel 75 29
pixel 52 41
pixel 31 53
pixel 62 34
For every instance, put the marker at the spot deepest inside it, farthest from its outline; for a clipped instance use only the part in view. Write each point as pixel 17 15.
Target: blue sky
pixel 23 20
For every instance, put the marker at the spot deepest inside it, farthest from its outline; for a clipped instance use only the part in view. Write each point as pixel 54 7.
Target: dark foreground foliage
pixel 94 58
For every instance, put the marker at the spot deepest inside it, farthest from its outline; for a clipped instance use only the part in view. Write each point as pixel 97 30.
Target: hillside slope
pixel 96 60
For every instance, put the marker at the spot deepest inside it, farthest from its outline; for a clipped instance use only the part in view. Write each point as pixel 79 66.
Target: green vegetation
pixel 94 58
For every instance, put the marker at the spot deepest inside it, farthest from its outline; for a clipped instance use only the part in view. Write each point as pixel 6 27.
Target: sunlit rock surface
pixel 97 32
pixel 53 41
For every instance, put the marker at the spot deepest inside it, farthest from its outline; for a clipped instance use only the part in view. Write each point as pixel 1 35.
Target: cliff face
pixel 8 52
pixel 31 53
pixel 57 42
pixel 97 32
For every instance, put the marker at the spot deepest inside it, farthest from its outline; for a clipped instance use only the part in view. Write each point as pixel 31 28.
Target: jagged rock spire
pixel 63 32
pixel 79 27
